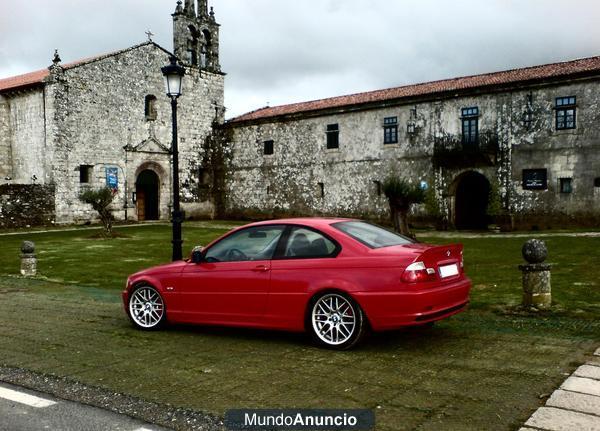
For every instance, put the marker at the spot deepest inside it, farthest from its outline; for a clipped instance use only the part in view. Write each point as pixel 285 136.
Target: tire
pixel 335 320
pixel 146 308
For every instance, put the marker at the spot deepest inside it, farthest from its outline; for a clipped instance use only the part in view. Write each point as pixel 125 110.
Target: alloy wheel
pixel 146 307
pixel 334 319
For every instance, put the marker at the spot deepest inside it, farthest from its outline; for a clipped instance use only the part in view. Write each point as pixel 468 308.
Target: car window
pixel 308 243
pixel 371 235
pixel 255 243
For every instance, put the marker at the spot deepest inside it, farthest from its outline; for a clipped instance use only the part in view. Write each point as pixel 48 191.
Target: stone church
pixel 519 147
pixel 106 121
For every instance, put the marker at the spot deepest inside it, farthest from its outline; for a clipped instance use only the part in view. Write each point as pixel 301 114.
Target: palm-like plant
pixel 100 200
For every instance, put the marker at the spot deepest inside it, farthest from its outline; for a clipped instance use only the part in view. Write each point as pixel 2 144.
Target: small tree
pixel 401 195
pixel 100 200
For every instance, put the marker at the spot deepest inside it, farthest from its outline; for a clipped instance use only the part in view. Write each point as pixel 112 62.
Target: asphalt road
pixel 25 410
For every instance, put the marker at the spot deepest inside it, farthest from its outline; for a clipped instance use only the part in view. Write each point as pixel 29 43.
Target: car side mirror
pixel 197 256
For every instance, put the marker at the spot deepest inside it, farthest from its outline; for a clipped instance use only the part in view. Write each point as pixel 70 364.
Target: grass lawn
pixel 492 264
pixel 487 368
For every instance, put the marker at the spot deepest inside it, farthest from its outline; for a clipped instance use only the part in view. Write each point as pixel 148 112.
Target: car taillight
pixel 417 272
pixel 462 262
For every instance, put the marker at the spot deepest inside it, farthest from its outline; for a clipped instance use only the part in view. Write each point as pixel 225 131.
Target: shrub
pixel 100 200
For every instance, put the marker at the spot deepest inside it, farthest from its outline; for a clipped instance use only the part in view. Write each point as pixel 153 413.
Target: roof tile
pixel 513 76
pixel 38 76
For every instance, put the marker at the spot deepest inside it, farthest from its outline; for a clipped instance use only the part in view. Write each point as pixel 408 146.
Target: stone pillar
pixel 536 275
pixel 28 259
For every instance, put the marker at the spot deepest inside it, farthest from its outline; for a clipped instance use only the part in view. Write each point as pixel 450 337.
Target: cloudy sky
pixel 283 51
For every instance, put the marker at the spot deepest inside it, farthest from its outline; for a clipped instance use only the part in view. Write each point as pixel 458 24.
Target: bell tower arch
pixel 196 35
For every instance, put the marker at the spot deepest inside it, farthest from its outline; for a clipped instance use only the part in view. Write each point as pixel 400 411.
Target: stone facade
pixel 487 147
pixel 516 131
pixel 108 116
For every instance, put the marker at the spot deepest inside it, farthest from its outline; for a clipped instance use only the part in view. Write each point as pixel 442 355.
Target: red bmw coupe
pixel 332 277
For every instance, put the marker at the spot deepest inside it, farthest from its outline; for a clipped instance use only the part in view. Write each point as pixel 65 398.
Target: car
pixel 334 278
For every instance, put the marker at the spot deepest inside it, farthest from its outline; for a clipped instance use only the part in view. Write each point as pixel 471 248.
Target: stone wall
pixel 565 154
pixel 26 205
pixel 303 177
pixel 104 102
pixel 23 121
pixel 288 182
pixel 5 141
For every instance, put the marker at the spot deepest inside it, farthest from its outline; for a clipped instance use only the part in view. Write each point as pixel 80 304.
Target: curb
pixel 573 406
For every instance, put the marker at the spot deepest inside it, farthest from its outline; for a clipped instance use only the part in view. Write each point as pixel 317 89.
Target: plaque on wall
pixel 535 179
pixel 112 177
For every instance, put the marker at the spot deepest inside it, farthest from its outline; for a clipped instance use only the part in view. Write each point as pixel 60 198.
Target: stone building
pixel 107 121
pixel 521 144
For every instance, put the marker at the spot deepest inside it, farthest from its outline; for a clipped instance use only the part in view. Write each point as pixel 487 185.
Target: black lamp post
pixel 173 74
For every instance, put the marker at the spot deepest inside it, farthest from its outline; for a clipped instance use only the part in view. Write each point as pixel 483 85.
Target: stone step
pixel 553 419
pixel 589 371
pixel 582 385
pixel 575 401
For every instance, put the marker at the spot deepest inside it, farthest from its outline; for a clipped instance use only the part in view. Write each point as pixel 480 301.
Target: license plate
pixel 448 270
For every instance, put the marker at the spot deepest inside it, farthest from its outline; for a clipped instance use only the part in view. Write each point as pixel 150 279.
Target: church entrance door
pixel 471 201
pixel 147 186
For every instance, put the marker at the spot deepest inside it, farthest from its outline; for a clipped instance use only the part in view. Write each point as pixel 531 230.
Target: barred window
pixel 150 107
pixel 566 185
pixel 470 125
pixel 85 174
pixel 333 136
pixel 268 148
pixel 390 130
pixel 565 108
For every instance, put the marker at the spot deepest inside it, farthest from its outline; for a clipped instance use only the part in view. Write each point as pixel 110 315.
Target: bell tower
pixel 196 35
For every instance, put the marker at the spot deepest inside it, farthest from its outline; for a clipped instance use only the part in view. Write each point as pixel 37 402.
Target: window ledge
pixel 574 131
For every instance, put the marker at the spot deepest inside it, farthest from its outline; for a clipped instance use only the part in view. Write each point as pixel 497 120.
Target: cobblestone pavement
pixel 573 406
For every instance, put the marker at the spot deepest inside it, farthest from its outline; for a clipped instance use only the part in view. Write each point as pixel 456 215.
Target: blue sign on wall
pixel 112 177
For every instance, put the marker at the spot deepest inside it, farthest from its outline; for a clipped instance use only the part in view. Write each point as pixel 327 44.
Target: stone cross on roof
pixel 149 34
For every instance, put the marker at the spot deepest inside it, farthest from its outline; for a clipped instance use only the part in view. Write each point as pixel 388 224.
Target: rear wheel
pixel 336 321
pixel 146 308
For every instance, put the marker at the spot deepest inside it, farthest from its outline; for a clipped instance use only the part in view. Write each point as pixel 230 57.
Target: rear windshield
pixel 371 235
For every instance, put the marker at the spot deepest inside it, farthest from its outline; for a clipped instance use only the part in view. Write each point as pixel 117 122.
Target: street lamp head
pixel 173 74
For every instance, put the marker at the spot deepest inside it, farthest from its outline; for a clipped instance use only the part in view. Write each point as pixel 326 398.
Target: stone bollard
pixel 28 259
pixel 536 275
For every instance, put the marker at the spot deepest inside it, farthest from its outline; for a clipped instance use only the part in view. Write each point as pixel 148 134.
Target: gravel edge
pixel 164 415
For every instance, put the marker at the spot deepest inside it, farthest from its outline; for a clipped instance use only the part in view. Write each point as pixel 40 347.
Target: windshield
pixel 371 235
pixel 254 243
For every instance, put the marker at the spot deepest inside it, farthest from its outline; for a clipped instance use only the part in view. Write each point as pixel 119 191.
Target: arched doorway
pixel 471 201
pixel 146 189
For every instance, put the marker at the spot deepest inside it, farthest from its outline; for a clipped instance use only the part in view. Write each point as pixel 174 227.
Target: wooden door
pixel 141 203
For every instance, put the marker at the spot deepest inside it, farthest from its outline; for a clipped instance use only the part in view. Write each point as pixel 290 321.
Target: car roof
pixel 307 221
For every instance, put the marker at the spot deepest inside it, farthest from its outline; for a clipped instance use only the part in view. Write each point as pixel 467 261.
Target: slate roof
pixel 37 77
pixel 580 67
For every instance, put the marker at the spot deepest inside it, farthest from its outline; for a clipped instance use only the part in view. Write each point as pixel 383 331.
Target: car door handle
pixel 260 268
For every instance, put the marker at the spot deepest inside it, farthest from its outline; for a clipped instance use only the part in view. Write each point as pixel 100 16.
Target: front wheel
pixel 336 321
pixel 146 308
